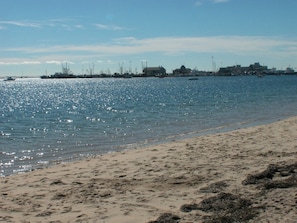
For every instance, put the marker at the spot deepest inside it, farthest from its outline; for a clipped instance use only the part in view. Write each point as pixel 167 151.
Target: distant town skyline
pixel 37 36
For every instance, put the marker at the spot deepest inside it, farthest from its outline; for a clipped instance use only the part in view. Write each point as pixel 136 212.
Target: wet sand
pixel 243 175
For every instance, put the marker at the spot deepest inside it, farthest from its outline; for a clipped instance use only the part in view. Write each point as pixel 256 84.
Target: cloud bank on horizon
pixel 168 33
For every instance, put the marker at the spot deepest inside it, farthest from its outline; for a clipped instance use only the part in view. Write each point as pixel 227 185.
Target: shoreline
pixel 142 145
pixel 139 185
pixel 149 143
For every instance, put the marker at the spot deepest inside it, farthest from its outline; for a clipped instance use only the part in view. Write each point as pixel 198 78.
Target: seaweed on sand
pixel 214 187
pixel 275 176
pixel 225 207
pixel 167 218
pixel 189 207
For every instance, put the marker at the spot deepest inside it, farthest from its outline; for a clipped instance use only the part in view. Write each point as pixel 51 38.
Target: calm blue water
pixel 45 121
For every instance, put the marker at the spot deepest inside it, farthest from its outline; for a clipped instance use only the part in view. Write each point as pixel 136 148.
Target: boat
pixel 66 73
pixel 193 78
pixel 9 79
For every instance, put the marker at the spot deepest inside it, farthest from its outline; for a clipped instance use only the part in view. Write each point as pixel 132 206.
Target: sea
pixel 48 121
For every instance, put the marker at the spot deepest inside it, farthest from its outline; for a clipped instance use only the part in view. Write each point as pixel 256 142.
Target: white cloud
pixel 21 24
pixel 67 24
pixel 30 62
pixel 54 62
pixel 220 1
pixel 18 61
pixel 64 23
pixel 68 62
pixel 243 45
pixel 109 27
pixel 201 2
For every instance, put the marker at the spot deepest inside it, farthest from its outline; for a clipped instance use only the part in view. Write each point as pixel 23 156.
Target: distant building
pixel 182 71
pixel 256 67
pixel 253 69
pixel 290 70
pixel 230 71
pixel 154 71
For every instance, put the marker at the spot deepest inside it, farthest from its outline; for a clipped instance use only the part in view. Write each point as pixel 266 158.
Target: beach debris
pixel 59 196
pixel 44 214
pixel 225 207
pixel 57 182
pixel 216 187
pixel 286 183
pixel 76 183
pixel 167 218
pixel 275 176
pixel 6 218
pixel 189 207
pixel 222 202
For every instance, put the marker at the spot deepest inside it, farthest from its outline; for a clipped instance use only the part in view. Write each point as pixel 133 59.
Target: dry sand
pixel 246 175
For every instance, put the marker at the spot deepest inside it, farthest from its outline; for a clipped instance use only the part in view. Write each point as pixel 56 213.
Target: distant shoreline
pixel 255 69
pixel 168 75
pixel 190 75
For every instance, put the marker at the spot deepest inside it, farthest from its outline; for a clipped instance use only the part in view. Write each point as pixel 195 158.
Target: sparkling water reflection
pixel 44 121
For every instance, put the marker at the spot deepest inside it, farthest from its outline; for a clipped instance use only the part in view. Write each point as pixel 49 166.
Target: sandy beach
pixel 246 175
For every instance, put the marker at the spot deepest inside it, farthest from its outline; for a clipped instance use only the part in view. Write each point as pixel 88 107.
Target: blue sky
pixel 36 36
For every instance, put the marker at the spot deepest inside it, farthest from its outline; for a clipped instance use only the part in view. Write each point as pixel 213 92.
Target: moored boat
pixel 9 79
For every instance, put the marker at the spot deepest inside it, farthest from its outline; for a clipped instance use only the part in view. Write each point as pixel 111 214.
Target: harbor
pixel 255 69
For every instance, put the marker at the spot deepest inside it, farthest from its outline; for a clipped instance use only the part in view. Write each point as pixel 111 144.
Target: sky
pixel 103 36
